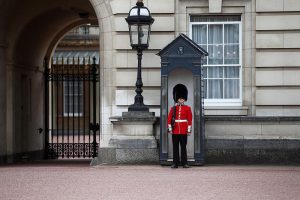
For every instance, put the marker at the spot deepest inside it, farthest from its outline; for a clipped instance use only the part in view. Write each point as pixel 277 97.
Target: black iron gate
pixel 72 130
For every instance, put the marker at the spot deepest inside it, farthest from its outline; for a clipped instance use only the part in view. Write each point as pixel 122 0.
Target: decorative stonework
pixel 215 6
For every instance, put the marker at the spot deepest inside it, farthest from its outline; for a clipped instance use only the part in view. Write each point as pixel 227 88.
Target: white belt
pixel 180 120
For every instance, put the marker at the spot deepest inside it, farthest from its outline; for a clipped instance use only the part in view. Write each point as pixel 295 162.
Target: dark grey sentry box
pixel 181 62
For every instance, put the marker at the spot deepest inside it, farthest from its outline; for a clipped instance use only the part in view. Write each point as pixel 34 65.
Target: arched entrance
pixel 71 76
pixel 25 39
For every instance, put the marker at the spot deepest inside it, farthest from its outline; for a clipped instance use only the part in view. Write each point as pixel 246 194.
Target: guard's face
pixel 181 100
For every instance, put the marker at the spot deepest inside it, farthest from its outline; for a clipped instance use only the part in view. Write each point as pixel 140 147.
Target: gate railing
pixel 71 124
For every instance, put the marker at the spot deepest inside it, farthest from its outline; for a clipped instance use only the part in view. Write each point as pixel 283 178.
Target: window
pixel 220 36
pixel 80 30
pixel 73 98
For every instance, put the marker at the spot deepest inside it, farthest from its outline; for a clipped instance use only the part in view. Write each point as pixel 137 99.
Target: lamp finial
pixel 140 3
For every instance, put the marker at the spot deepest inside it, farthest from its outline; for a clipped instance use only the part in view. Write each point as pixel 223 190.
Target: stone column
pixel 3 132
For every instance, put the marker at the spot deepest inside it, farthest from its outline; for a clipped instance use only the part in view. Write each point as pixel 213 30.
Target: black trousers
pixel 182 140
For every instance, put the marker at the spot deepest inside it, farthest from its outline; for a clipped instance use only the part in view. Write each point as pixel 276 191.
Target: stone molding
pixel 252 118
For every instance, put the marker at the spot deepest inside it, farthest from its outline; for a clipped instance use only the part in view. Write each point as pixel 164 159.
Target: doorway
pixel 72 82
pixel 184 77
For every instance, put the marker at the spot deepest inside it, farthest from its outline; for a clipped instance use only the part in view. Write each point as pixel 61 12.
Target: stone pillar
pixel 3 132
pixel 132 142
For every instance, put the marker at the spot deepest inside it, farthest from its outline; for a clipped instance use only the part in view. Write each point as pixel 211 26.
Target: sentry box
pixel 181 62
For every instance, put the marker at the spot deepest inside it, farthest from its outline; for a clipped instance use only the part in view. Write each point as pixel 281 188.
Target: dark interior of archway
pixel 27 30
pixel 50 19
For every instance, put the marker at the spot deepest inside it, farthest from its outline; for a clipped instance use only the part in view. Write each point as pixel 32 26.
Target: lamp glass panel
pixel 133 12
pixel 134 34
pixel 139 34
pixel 144 12
pixel 144 34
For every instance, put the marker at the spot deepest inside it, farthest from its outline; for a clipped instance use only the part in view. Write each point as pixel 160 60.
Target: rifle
pixel 173 116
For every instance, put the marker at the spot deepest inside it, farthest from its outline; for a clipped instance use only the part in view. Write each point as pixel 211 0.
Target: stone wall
pixel 269 52
pixel 125 59
pixel 277 58
pixel 253 140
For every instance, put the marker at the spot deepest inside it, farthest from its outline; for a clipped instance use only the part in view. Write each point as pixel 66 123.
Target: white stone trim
pixel 226 110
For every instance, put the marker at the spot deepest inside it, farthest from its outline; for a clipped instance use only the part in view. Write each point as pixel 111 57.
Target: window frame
pixel 75 114
pixel 223 102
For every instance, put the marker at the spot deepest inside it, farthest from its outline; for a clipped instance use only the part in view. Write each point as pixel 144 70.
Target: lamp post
pixel 139 22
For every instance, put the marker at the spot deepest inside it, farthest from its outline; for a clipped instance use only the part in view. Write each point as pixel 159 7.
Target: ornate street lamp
pixel 139 21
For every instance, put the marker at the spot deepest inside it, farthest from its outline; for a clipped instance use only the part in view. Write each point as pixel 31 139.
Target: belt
pixel 180 120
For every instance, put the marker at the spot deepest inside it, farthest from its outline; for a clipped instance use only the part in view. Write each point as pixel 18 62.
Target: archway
pixel 71 82
pixel 26 38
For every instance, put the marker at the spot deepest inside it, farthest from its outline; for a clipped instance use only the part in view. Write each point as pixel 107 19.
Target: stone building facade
pixel 259 121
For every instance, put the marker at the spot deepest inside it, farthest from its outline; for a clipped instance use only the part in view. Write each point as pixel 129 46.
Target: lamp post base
pixel 138 115
pixel 142 108
pixel 132 141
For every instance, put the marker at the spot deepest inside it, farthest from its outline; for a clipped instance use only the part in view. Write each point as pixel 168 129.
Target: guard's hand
pixel 170 130
pixel 189 130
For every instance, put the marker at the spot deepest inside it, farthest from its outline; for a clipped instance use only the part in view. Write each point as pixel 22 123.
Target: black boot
pixel 186 166
pixel 174 166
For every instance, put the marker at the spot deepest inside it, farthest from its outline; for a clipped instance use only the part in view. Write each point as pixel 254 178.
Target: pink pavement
pixel 78 180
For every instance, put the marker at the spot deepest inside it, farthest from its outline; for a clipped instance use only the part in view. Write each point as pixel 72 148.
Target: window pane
pixel 215 34
pixel 215 89
pixel 231 88
pixel 71 103
pixel 232 72
pixel 200 34
pixel 65 87
pixel 76 91
pixel 215 54
pixel 75 100
pixel 69 89
pixel 66 107
pixel 215 72
pixel 70 110
pixel 73 92
pixel 81 88
pixel 231 33
pixel 204 72
pixel 76 109
pixel 231 54
pixel 81 108
pixel 203 47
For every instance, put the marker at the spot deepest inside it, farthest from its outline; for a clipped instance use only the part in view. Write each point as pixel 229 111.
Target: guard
pixel 180 125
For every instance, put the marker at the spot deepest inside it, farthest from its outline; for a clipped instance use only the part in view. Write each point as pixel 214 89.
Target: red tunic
pixel 183 120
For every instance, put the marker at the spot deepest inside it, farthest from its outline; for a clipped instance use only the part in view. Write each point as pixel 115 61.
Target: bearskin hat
pixel 180 91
